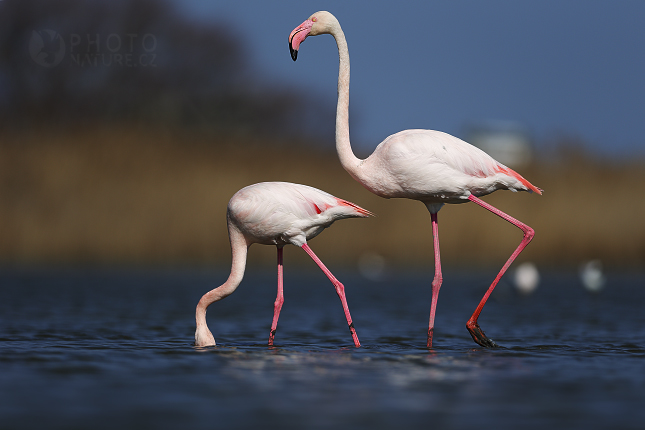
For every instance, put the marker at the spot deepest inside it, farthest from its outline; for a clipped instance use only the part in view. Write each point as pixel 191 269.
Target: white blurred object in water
pixel 592 276
pixel 372 266
pixel 527 278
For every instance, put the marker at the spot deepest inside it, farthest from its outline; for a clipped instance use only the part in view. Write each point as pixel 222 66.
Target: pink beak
pixel 297 36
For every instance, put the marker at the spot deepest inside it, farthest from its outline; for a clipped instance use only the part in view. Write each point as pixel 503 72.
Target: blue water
pixel 106 349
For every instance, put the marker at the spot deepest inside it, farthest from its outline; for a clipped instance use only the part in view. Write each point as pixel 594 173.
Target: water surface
pixel 108 349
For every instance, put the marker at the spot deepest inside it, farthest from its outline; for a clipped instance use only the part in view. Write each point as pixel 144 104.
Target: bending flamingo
pixel 276 213
pixel 430 166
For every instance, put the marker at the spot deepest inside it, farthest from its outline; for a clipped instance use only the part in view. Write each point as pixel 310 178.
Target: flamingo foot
pixel 271 337
pixel 479 336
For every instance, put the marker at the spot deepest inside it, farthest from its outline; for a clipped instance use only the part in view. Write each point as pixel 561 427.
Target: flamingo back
pixel 435 167
pixel 281 212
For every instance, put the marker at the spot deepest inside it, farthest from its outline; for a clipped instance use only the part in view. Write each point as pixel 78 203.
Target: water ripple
pixel 120 355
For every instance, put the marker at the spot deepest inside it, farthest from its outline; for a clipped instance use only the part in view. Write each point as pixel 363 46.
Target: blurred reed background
pixel 125 149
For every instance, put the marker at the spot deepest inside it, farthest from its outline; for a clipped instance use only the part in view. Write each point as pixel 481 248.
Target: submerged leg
pixel 340 290
pixel 438 278
pixel 279 300
pixel 472 326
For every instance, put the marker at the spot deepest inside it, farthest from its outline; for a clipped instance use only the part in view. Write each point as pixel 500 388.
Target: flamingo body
pixel 435 168
pixel 281 213
pixel 430 166
pixel 276 213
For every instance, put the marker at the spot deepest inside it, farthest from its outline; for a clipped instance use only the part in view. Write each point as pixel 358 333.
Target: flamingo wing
pixel 282 212
pixel 436 167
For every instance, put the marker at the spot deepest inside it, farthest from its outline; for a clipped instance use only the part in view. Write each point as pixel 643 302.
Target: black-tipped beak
pixel 297 36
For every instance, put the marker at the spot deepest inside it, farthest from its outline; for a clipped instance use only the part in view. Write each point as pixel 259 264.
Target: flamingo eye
pixel 314 19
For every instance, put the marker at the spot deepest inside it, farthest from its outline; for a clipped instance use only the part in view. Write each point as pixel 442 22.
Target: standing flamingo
pixel 276 213
pixel 430 166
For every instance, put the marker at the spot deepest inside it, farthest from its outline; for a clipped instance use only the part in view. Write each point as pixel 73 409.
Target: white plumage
pixel 435 168
pixel 276 213
pixel 430 166
pixel 280 213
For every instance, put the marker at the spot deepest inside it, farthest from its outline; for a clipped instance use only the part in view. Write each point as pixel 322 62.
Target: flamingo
pixel 426 165
pixel 276 213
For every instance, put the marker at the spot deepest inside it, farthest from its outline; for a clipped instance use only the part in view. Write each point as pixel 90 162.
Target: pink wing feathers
pixel 321 202
pixel 478 163
pixel 510 172
pixel 359 210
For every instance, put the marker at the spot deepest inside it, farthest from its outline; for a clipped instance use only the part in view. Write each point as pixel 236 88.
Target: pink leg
pixel 472 326
pixel 279 300
pixel 438 278
pixel 340 290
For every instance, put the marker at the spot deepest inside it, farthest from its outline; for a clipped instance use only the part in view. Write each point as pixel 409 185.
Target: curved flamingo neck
pixel 239 249
pixel 347 158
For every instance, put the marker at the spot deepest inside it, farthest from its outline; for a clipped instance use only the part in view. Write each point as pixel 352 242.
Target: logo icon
pixel 47 48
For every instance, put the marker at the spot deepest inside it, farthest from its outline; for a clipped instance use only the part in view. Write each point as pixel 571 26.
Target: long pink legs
pixel 340 290
pixel 472 326
pixel 279 300
pixel 436 282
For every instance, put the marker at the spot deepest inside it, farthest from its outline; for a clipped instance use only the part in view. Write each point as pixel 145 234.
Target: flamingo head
pixel 319 23
pixel 204 337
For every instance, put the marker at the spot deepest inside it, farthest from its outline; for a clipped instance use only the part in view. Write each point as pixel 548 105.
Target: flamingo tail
pixel 510 172
pixel 360 210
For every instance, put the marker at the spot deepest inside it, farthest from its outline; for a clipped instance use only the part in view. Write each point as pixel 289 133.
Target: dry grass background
pixel 137 195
